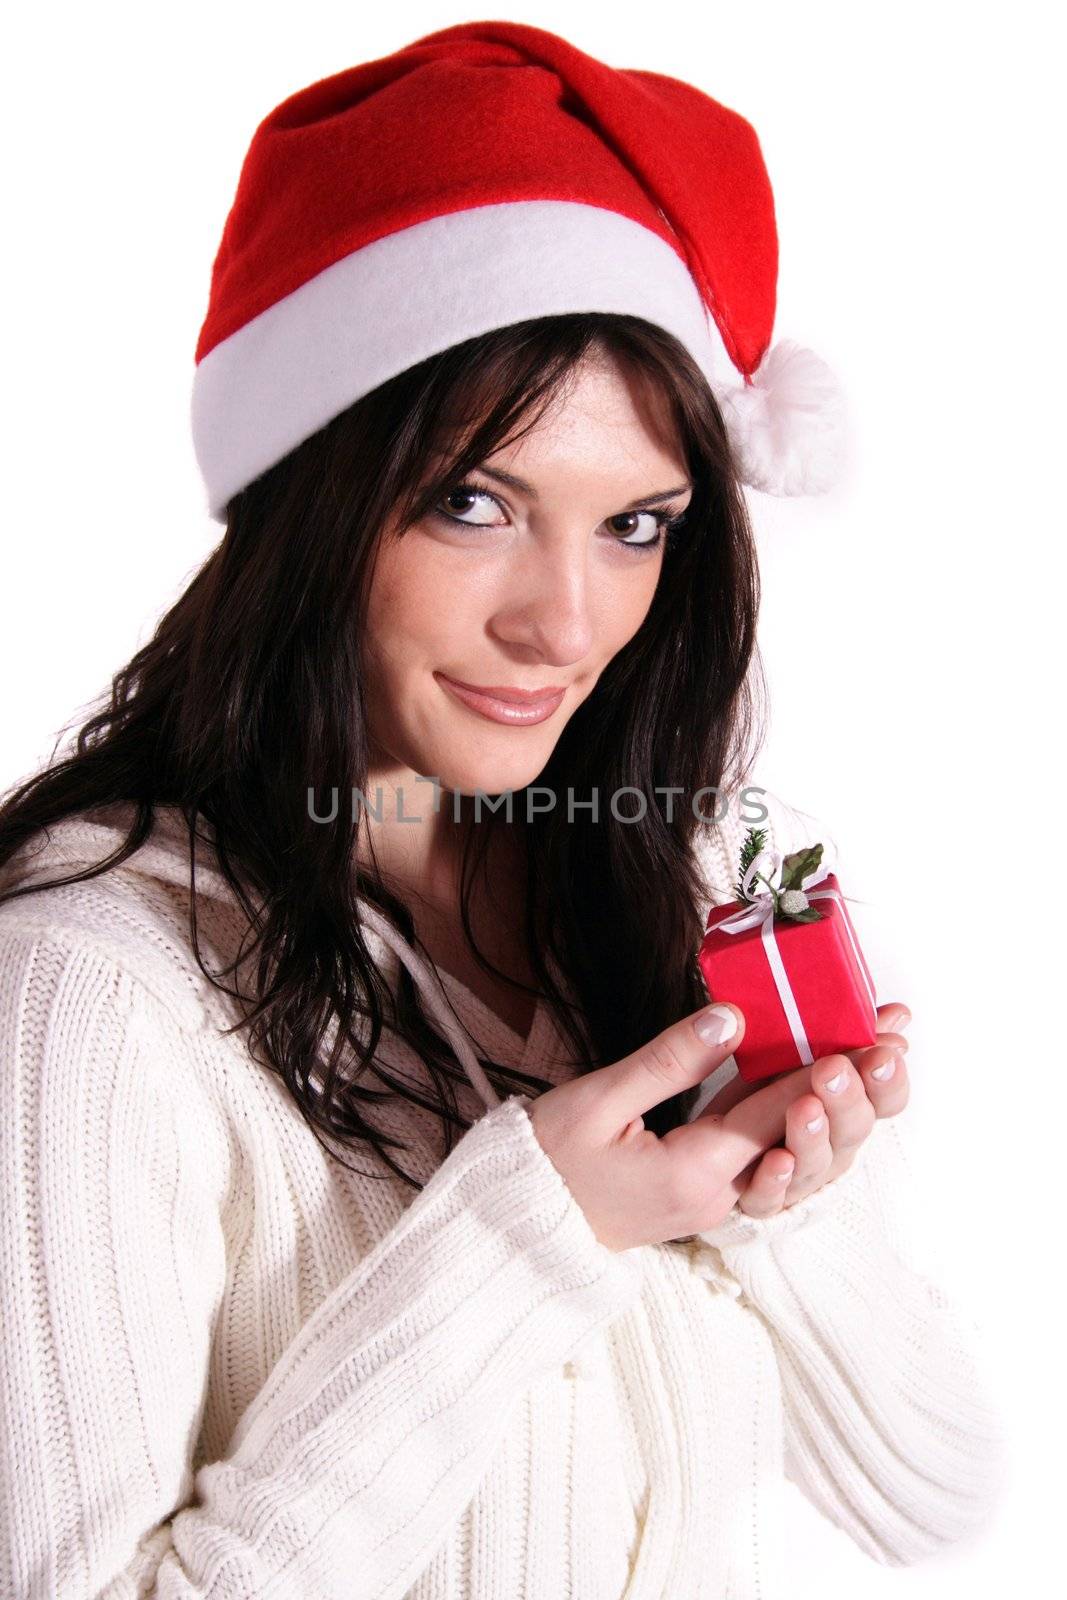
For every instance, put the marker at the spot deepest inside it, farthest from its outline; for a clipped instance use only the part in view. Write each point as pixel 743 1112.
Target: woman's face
pixel 521 585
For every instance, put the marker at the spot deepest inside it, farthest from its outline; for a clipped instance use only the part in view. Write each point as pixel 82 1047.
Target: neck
pixel 417 842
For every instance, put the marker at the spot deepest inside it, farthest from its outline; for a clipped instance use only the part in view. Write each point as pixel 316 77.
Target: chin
pixel 488 776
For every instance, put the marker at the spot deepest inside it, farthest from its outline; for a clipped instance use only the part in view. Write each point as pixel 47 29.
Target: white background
pixel 912 621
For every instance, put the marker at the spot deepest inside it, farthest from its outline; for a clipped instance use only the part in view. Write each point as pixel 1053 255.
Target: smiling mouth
pixel 507 708
pixel 499 691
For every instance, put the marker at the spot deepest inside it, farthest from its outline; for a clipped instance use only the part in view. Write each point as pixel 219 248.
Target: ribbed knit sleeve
pixel 890 1430
pixel 372 1431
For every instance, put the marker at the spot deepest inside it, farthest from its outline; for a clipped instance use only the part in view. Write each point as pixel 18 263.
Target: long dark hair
pixel 250 693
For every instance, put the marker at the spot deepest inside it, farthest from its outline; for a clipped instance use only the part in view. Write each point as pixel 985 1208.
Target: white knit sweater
pixel 232 1369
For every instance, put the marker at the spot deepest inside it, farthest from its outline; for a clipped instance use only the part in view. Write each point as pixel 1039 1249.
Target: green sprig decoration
pixel 755 841
pixel 790 901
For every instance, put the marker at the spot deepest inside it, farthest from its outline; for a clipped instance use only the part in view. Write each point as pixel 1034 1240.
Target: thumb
pixel 680 1057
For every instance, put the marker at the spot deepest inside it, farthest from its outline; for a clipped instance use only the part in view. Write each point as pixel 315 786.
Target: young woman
pixel 361 1232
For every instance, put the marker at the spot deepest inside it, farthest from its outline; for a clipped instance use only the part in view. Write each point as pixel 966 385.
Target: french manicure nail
pixel 836 1083
pixel 885 1070
pixel 716 1025
pixel 814 1126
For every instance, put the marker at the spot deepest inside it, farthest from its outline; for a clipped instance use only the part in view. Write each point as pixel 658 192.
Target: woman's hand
pixel 636 1188
pixel 811 1157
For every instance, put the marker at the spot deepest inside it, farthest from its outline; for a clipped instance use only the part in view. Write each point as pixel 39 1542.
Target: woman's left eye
pixel 633 538
pixel 661 521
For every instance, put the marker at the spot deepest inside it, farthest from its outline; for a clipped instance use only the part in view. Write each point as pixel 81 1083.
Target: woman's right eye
pixel 467 492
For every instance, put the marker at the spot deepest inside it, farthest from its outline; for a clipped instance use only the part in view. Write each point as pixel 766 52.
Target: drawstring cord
pixel 436 999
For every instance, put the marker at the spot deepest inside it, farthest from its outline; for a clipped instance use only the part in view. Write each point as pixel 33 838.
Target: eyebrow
pixel 635 505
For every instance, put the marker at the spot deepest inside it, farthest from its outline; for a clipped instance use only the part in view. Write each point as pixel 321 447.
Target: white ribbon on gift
pixel 760 913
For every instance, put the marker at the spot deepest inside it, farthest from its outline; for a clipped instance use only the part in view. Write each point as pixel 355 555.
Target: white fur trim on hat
pixel 375 313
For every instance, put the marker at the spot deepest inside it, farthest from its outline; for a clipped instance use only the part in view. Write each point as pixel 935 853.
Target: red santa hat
pixel 482 175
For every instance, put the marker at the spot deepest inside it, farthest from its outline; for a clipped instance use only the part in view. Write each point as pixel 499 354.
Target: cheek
pixel 407 624
pixel 624 603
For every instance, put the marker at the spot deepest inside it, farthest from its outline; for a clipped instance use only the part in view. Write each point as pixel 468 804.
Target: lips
pixel 519 697
pixel 491 705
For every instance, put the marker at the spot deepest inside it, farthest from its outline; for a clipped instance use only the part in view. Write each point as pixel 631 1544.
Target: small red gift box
pixel 804 987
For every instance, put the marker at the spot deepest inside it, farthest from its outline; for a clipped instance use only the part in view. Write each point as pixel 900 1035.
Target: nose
pixel 548 610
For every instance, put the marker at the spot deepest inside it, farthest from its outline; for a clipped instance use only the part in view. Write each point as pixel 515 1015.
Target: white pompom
pixel 787 426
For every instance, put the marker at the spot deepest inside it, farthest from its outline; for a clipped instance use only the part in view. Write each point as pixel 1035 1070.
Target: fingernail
pixel 836 1083
pixel 716 1025
pixel 814 1126
pixel 886 1069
